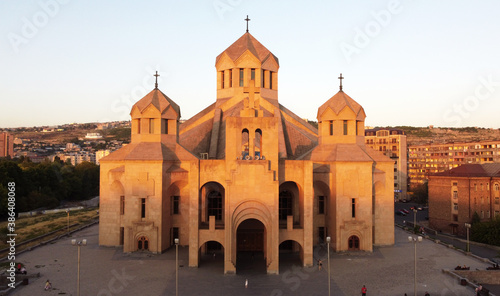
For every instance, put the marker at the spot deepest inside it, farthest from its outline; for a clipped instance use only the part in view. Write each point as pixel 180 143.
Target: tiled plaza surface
pixel 107 271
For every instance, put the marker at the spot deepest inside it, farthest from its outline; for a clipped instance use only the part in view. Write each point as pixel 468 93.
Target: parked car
pixel 405 211
pixel 400 213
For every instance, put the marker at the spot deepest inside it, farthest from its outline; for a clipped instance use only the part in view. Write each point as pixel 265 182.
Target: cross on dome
pixel 247 19
pixel 156 82
pixel 340 78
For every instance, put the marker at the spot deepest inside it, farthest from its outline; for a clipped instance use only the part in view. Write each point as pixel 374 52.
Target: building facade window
pixel 285 204
pixel 455 206
pixel 151 125
pixel 271 79
pixel 215 205
pixel 455 194
pixel 345 127
pixel 252 74
pixel 321 204
pixel 230 84
pixel 143 208
pixel 353 208
pixel 122 205
pixel 175 204
pixel 222 79
pixel 241 77
pixel 331 127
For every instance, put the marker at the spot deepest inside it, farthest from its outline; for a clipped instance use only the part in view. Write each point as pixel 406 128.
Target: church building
pixel 246 174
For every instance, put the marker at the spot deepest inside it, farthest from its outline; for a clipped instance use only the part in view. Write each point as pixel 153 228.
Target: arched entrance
pixel 142 243
pixel 353 243
pixel 250 244
pixel 211 255
pixel 290 254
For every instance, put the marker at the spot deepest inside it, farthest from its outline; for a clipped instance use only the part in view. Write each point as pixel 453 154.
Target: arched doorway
pixel 290 254
pixel 250 244
pixel 142 243
pixel 353 243
pixel 211 255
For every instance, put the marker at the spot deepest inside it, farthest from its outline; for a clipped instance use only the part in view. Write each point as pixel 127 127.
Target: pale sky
pixel 407 62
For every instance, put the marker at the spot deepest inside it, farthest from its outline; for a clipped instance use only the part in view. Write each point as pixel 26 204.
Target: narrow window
pixel 331 127
pixel 139 126
pixel 221 79
pixel 122 205
pixel 151 125
pixel 262 78
pixel 215 205
pixel 270 80
pixel 230 78
pixel 345 127
pixel 175 205
pixel 165 126
pixel 353 208
pixel 455 194
pixel 321 204
pixel 285 204
pixel 143 208
pixel 241 77
pixel 252 74
pixel 357 122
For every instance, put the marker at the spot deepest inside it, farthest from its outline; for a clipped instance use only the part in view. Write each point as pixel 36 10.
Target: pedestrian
pixel 363 291
pixel 479 289
pixel 320 264
pixel 48 285
pixel 246 283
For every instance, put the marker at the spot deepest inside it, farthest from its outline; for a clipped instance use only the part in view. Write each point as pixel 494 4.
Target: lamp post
pixel 414 218
pixel 176 241
pixel 328 250
pixel 78 244
pixel 467 226
pixel 415 240
pixel 67 212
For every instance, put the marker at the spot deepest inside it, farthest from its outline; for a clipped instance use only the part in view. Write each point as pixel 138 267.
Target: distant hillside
pixel 423 135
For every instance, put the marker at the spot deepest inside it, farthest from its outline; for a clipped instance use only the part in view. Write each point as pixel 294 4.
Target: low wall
pixel 491 277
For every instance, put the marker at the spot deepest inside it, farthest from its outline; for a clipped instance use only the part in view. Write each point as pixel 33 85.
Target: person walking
pixel 320 264
pixel 246 283
pixel 363 291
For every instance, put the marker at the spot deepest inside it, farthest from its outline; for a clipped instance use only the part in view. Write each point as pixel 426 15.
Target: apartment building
pixel 435 158
pixel 392 143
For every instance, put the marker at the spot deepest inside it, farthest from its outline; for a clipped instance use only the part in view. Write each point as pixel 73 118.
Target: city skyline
pixel 406 62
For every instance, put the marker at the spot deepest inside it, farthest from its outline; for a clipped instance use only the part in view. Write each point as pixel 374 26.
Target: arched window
pixel 285 204
pixel 244 143
pixel 353 243
pixel 214 200
pixel 496 187
pixel 143 243
pixel 258 144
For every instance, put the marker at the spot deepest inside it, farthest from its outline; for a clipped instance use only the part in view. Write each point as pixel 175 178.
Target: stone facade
pixel 246 174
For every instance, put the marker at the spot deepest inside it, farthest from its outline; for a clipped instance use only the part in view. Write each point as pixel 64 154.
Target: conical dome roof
pixel 159 100
pixel 247 42
pixel 338 102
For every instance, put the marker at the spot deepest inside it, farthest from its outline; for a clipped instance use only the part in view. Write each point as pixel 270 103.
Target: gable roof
pixel 247 42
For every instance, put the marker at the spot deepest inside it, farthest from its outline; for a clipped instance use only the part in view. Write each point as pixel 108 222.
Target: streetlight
pixel 415 240
pixel 467 226
pixel 176 241
pixel 67 212
pixel 78 244
pixel 414 219
pixel 328 249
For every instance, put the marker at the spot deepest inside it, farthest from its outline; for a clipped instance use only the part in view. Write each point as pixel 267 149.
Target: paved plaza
pixel 107 271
